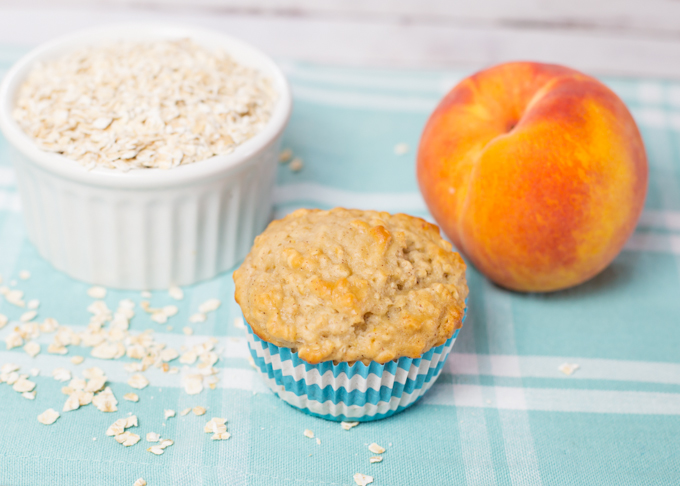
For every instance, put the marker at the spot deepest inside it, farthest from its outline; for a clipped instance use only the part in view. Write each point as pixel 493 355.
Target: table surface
pixel 604 37
pixel 501 413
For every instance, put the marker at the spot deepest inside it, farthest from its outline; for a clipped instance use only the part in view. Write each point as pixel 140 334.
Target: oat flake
pixel 48 417
pixel 28 316
pixel 140 482
pixel 209 305
pixel 138 381
pixel 96 292
pixel 61 374
pixel 308 433
pixel 362 479
pixel 376 449
pixel 176 293
pixel 32 349
pixel 568 368
pixel 348 425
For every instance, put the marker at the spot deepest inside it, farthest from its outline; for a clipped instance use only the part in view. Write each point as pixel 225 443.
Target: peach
pixel 536 172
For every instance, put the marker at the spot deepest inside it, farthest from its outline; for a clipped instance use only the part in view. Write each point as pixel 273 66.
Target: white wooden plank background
pixel 624 37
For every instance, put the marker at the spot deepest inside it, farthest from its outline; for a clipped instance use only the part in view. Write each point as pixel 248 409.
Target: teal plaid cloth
pixel 501 413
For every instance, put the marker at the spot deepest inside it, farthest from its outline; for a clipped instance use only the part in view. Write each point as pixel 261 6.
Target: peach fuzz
pixel 536 172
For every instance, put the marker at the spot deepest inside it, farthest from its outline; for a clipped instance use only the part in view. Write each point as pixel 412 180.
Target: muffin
pixel 355 293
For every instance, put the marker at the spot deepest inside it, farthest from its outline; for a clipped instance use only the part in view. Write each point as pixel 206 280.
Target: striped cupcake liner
pixel 342 392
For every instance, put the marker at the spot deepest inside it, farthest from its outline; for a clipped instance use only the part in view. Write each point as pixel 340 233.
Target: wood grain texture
pixel 611 38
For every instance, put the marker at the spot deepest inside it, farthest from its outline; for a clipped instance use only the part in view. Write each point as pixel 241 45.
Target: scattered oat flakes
pixel 61 374
pixel 72 402
pixel 318 441
pixel 348 425
pixel 105 401
pixel 9 368
pixel 117 428
pixel 54 348
pixel 198 411
pixel 401 149
pixel 189 357
pixel 94 372
pixel 24 275
pixel 29 395
pixel 76 360
pixel 376 449
pixel 23 385
pixel 33 304
pixel 32 349
pixel 15 297
pixel 28 316
pixel 568 368
pixel 159 317
pixel 153 437
pixel 127 439
pixel 108 350
pixel 138 381
pixel 217 426
pixel 48 417
pixel 169 413
pixel 13 340
pixel 296 165
pixel 140 482
pixel 362 479
pixel 170 310
pixel 188 331
pixel 239 324
pixel 285 155
pixel 96 292
pixel 176 292
pixel 35 371
pixel 308 433
pixel 198 317
pixel 159 449
pixel 209 305
pixel 95 384
pixel 168 354
pixel 3 320
pixel 185 411
pixel 375 459
pixel 131 397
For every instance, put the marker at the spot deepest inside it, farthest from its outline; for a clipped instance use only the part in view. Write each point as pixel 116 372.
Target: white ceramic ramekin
pixel 148 228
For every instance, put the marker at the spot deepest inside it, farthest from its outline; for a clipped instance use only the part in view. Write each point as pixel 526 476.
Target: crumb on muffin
pixel 352 285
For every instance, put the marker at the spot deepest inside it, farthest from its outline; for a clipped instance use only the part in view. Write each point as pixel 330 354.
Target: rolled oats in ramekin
pixel 351 314
pixel 145 154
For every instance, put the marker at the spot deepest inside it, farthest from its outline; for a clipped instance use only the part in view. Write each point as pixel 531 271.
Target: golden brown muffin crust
pixel 350 285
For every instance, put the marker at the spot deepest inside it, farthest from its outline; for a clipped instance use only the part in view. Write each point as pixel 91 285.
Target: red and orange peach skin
pixel 536 172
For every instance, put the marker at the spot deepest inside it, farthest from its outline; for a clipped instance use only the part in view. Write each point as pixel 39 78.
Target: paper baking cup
pixel 355 392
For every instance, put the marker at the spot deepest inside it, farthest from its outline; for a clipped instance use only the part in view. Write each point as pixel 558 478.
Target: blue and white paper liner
pixel 342 392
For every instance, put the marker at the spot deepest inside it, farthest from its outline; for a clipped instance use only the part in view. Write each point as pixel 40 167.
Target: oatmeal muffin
pixel 351 285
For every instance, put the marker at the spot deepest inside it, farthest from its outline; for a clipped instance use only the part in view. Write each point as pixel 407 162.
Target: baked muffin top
pixel 352 285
